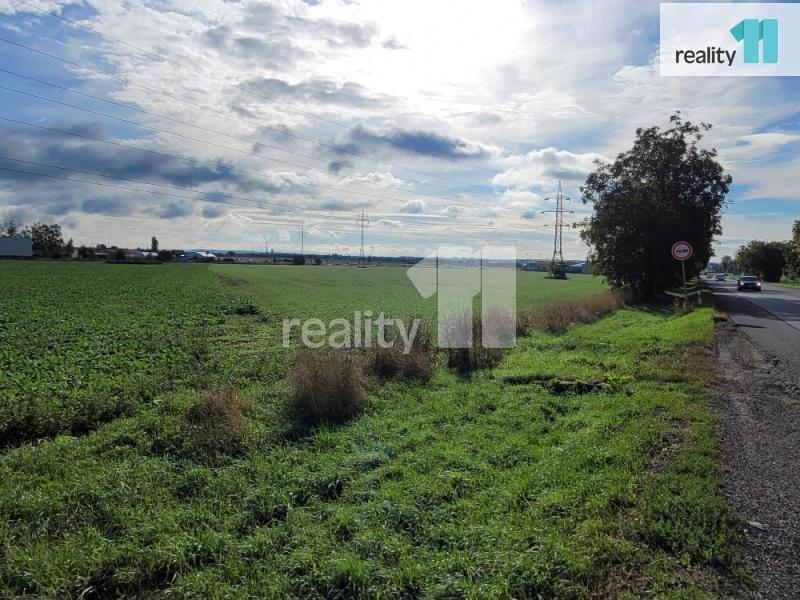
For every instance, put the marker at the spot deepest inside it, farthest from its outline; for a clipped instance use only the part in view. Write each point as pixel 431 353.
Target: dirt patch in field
pixel 230 280
pixel 759 422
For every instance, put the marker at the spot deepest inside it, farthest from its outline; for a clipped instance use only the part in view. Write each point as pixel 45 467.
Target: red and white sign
pixel 682 251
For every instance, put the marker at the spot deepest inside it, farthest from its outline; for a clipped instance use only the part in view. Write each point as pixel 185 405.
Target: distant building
pixel 197 256
pixel 140 255
pixel 584 267
pixel 16 247
pixel 534 266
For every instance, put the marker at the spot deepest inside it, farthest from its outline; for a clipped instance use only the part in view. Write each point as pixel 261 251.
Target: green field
pixel 501 485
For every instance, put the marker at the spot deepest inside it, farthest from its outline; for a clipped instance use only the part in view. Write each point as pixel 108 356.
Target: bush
pixel 298 259
pixel 466 360
pixel 393 362
pixel 327 387
pixel 218 422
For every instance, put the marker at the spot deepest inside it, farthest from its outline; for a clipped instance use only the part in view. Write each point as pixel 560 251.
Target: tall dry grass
pixel 557 318
pixel 218 422
pixel 478 356
pixel 327 387
pixel 393 362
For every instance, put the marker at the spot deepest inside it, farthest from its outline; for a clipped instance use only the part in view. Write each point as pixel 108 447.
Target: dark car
pixel 748 282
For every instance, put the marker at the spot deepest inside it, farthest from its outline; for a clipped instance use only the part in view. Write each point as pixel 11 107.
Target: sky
pixel 233 124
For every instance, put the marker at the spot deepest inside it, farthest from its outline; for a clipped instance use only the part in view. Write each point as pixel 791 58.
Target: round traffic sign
pixel 682 250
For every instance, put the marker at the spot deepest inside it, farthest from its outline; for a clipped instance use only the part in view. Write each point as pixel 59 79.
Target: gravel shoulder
pixel 758 403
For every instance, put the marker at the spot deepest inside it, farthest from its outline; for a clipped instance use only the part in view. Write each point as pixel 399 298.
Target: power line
pixel 140 190
pixel 257 203
pixel 207 129
pixel 221 146
pixel 336 149
pixel 189 160
pixel 238 86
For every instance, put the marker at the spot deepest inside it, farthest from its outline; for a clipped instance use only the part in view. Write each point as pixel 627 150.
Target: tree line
pixel 48 242
pixel 771 261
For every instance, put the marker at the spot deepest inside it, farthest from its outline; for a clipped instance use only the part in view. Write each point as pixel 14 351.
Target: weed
pixel 466 360
pixel 327 387
pixel 556 318
pixel 218 422
pixel 393 361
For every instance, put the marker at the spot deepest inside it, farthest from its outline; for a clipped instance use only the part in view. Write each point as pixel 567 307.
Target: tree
pixel 154 244
pixel 11 229
pixel 792 253
pixel 765 259
pixel 298 259
pixel 69 248
pixel 47 240
pixel 726 263
pixel 664 189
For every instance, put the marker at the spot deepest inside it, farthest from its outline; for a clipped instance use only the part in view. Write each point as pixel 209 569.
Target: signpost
pixel 682 251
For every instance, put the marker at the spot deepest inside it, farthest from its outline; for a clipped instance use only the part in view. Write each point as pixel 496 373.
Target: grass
pixel 503 485
pixel 789 282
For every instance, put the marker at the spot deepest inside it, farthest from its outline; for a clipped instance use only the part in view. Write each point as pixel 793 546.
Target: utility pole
pixel 558 270
pixel 266 249
pixel 364 222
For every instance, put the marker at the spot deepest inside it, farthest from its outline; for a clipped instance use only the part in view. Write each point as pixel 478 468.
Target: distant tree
pixel 154 244
pixel 765 259
pixel 84 252
pixel 298 259
pixel 69 248
pixel 165 255
pixel 47 239
pixel 317 260
pixel 118 254
pixel 664 189
pixel 725 263
pixel 11 229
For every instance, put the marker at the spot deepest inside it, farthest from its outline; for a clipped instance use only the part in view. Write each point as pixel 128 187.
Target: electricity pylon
pixel 302 241
pixel 364 222
pixel 558 269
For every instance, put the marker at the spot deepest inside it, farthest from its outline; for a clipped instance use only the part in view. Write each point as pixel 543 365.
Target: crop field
pixel 500 484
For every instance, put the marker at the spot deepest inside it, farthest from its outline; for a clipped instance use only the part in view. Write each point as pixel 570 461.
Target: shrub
pixel 327 387
pixel 393 362
pixel 218 422
pixel 466 360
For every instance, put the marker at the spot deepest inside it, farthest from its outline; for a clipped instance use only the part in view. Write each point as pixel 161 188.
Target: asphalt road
pixel 771 318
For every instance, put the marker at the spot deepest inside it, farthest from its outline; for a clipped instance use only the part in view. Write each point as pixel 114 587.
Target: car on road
pixel 748 282
pixel 722 277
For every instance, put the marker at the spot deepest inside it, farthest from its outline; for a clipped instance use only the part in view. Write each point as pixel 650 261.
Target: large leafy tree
pixel 765 259
pixel 47 239
pixel 664 189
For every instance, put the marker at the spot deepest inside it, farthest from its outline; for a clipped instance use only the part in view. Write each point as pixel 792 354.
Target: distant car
pixel 722 277
pixel 748 282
